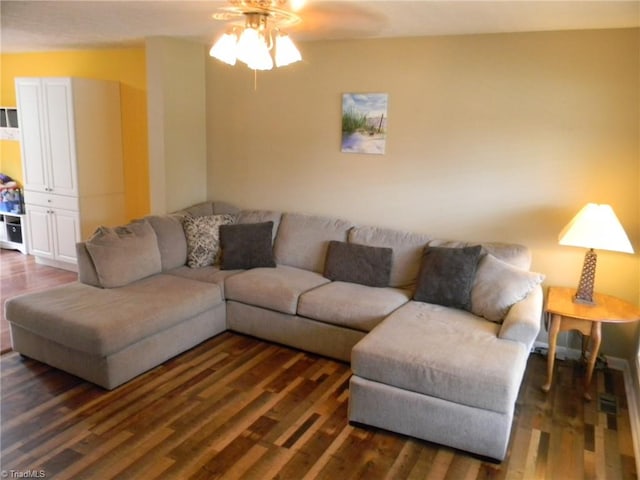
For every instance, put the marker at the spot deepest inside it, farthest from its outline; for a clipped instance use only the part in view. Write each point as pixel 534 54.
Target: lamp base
pixel 584 294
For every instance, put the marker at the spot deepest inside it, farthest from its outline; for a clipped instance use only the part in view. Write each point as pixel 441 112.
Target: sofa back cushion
pixel 511 253
pixel 302 240
pixel 208 207
pixel 407 251
pixel 260 216
pixel 122 255
pixel 172 242
pixel 201 209
pixel 86 269
pixel 408 248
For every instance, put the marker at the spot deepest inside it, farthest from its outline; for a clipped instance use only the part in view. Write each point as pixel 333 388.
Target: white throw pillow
pixel 203 238
pixel 498 285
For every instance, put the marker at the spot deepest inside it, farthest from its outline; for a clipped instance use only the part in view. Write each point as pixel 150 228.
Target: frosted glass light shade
pixel 225 48
pixel 596 226
pixel 261 59
pixel 247 45
pixel 286 51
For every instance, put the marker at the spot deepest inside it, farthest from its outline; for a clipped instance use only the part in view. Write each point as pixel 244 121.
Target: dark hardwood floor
pixel 236 407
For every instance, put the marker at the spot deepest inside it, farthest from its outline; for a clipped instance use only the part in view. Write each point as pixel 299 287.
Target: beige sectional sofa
pixel 443 374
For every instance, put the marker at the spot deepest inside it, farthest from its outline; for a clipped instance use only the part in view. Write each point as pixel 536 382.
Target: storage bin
pixel 14 232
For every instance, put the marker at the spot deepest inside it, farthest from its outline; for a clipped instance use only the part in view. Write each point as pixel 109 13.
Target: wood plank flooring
pixel 236 407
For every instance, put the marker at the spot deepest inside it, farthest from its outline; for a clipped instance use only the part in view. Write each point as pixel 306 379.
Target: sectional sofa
pixel 437 332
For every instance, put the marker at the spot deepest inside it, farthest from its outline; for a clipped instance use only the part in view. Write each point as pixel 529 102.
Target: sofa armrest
pixel 523 320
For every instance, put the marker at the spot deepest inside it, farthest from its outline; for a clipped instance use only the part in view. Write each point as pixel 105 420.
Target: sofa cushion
pixel 122 255
pixel 499 285
pixel 446 276
pixel 303 240
pixel 209 274
pixel 247 245
pixel 203 238
pixel 350 262
pixel 103 321
pixel 407 251
pixel 172 242
pixel 445 353
pixel 259 216
pixel 273 288
pixel 351 305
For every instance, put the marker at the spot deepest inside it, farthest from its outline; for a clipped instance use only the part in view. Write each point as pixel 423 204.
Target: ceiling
pixel 79 24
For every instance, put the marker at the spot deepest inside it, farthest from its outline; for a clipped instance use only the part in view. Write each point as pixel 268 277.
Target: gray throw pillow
pixel 246 245
pixel 446 276
pixel 362 264
pixel 203 240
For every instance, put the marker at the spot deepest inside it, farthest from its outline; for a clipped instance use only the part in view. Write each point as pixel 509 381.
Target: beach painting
pixel 364 122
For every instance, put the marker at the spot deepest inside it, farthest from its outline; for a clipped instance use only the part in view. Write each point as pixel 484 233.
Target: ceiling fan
pixel 256 29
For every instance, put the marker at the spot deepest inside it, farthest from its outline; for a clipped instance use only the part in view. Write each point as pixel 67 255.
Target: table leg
pixel 596 336
pixel 556 320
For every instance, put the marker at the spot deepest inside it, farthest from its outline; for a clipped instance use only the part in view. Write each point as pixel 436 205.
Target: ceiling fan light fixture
pixel 253 42
pixel 248 45
pixel 260 59
pixel 286 51
pixel 225 49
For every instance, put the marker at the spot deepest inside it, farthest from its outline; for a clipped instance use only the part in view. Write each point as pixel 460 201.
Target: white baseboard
pixel 632 387
pixel 72 267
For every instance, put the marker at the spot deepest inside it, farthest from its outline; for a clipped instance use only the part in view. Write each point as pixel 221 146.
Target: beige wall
pixel 491 137
pixel 177 123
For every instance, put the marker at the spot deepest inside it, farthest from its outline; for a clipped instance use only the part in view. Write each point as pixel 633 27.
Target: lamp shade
pixel 225 48
pixel 596 226
pixel 252 50
pixel 286 51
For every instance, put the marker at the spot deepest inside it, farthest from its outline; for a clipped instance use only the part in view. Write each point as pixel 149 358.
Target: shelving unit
pixel 9 123
pixel 13 235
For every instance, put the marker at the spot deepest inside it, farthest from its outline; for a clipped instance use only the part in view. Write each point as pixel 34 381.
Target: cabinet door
pixel 66 230
pixel 39 231
pixel 32 134
pixel 58 108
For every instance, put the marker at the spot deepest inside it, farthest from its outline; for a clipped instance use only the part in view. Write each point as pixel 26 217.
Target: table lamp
pixel 594 226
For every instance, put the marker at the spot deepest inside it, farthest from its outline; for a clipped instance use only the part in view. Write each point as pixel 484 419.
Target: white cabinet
pixel 71 143
pixel 53 233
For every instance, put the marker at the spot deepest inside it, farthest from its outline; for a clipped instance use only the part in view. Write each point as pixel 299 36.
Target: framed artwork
pixel 364 123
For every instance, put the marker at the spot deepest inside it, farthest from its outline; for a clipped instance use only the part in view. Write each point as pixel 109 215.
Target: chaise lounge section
pixel 324 285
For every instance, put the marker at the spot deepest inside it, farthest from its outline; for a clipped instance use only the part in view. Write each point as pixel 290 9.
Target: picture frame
pixel 364 123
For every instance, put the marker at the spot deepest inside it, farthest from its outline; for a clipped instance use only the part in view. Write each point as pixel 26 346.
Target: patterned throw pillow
pixel 203 238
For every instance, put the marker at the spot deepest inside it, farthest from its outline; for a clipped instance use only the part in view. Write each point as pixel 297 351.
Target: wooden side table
pixel 587 319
